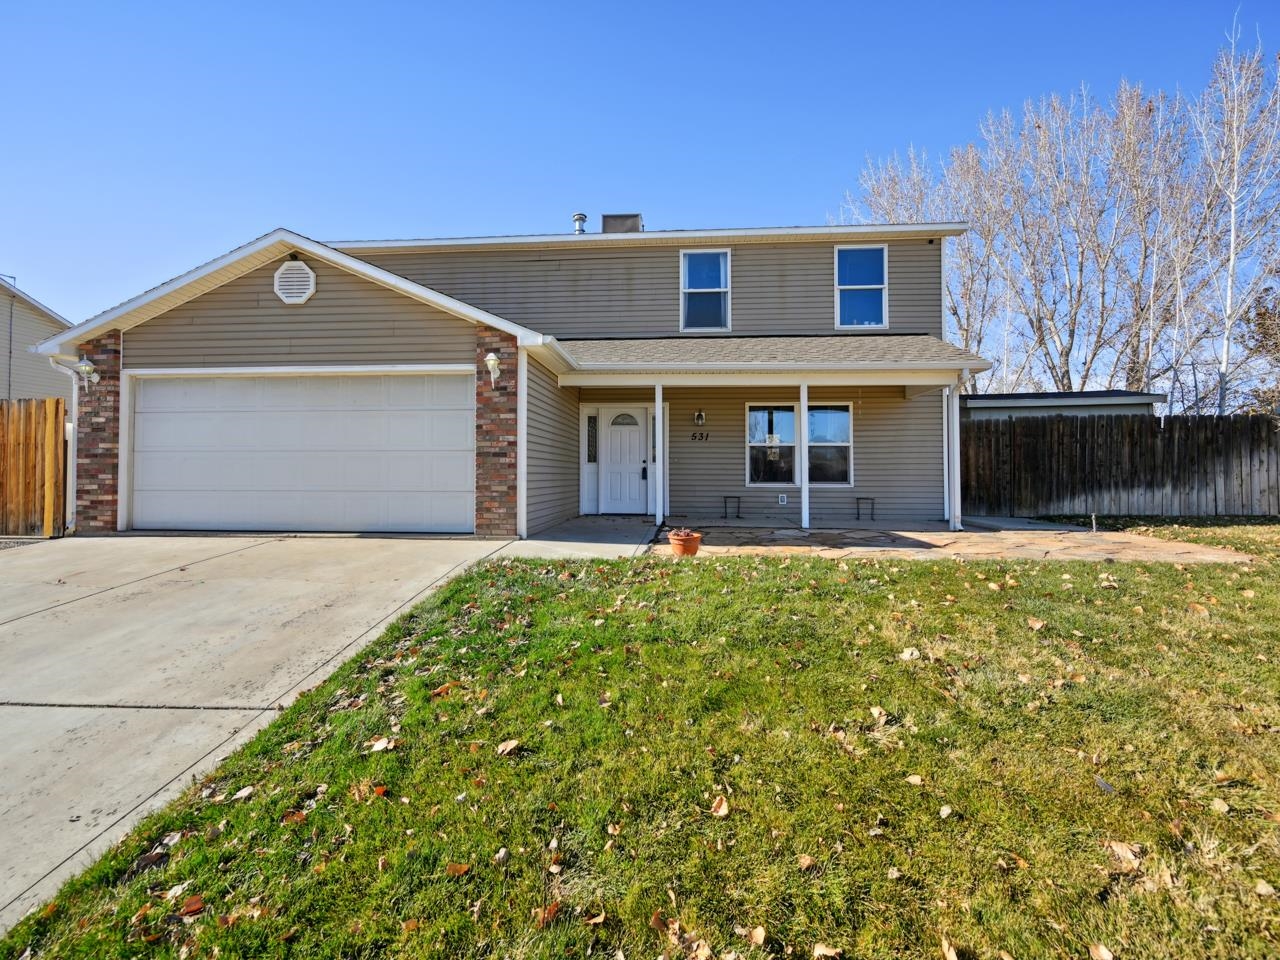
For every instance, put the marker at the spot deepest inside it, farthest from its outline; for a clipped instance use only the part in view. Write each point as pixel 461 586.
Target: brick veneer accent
pixel 98 439
pixel 496 413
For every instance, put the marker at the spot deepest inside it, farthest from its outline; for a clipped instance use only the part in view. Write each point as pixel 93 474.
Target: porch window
pixel 830 444
pixel 593 438
pixel 704 290
pixel 861 290
pixel 771 444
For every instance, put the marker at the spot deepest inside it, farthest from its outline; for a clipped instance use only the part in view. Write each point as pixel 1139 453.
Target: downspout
pixel 8 387
pixel 73 445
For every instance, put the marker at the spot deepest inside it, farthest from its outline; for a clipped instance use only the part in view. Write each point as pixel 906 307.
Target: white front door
pixel 623 461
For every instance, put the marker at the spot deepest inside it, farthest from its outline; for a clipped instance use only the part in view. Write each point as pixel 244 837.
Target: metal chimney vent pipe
pixel 579 223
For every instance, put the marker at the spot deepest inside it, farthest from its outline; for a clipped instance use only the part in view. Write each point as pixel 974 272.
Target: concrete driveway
pixel 130 664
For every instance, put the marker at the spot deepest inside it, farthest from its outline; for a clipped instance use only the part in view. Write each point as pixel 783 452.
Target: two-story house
pixel 500 385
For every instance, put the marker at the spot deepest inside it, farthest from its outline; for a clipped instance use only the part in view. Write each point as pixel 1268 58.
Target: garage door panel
pixel 455 392
pixel 371 453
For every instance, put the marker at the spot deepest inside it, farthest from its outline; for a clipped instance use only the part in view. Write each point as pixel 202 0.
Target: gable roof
pixel 250 256
pixel 8 288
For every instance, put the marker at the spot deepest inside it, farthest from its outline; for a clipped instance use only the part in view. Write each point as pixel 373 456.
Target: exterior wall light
pixel 494 364
pixel 699 418
pixel 86 371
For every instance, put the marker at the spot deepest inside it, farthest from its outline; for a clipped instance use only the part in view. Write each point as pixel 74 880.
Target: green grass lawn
pixel 1035 758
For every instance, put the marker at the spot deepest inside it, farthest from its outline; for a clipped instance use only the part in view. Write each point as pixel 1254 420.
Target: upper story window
pixel 704 290
pixel 861 287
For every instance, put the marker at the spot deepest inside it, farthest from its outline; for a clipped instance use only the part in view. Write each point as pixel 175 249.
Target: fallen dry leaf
pixel 1220 806
pixel 191 906
pixel 757 936
pixel 720 806
pixel 544 915
pixel 591 921
pixel 1098 951
pixel 915 780
pixel 806 862
pixel 1199 609
pixel 294 816
pixel 409 926
pixel 822 950
pixel 949 950
pixel 1264 889
pixel 456 869
pixel 508 747
pixel 945 812
pixel 243 794
pixel 1035 623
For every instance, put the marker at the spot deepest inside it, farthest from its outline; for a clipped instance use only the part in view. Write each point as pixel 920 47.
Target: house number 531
pixel 700 436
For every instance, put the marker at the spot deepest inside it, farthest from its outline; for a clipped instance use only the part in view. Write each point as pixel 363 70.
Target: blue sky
pixel 143 139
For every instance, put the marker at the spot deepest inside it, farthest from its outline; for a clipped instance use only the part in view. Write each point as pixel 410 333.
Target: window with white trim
pixel 830 443
pixel 704 290
pixel 771 444
pixel 862 293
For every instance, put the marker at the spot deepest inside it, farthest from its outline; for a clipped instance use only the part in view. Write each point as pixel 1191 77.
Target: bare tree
pixel 1111 244
pixel 1237 120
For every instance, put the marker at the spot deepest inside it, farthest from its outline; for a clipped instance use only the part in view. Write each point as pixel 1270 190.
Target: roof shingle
pixel 862 351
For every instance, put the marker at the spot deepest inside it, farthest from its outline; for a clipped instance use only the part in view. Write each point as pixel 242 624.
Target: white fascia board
pixel 11 290
pixel 981 403
pixel 748 234
pixel 794 369
pixel 303 370
pixel 553 356
pixel 881 377
pixel 287 241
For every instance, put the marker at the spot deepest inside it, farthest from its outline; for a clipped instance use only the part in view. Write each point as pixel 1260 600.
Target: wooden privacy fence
pixel 33 467
pixel 1121 465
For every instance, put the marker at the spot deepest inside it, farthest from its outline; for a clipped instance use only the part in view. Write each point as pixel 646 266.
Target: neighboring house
pixel 25 322
pixel 1083 403
pixel 501 385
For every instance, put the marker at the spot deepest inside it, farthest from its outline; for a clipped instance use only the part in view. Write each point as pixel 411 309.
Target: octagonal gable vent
pixel 295 282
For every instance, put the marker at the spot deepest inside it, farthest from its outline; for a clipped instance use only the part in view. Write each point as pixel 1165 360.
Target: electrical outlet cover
pixel 782 499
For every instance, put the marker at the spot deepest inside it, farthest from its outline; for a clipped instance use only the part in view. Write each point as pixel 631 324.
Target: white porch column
pixel 946 453
pixel 659 456
pixel 802 455
pixel 956 514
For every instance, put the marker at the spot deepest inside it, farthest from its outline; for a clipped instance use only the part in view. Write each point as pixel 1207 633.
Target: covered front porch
pixel 809 432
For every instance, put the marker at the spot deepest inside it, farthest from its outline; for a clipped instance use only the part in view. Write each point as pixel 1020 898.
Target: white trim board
pixel 302 370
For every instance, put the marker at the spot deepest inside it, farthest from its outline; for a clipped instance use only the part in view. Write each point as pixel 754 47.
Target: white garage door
pixel 391 453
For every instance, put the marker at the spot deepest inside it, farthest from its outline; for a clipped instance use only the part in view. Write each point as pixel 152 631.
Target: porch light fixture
pixel 85 370
pixel 494 364
pixel 699 418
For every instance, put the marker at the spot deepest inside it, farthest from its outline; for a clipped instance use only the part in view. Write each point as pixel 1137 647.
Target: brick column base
pixel 98 439
pixel 496 415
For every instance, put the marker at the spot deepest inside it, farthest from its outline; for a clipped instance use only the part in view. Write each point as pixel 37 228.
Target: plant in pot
pixel 684 542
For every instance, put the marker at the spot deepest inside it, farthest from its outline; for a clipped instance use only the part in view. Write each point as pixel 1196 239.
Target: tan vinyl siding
pixel 24 375
pixel 349 320
pixel 552 457
pixel 897 453
pixel 776 289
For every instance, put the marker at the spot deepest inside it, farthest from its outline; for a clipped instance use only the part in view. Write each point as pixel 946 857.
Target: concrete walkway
pixel 129 665
pixel 1024 542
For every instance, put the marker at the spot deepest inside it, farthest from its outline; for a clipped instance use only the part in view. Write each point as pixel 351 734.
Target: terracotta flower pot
pixel 684 545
